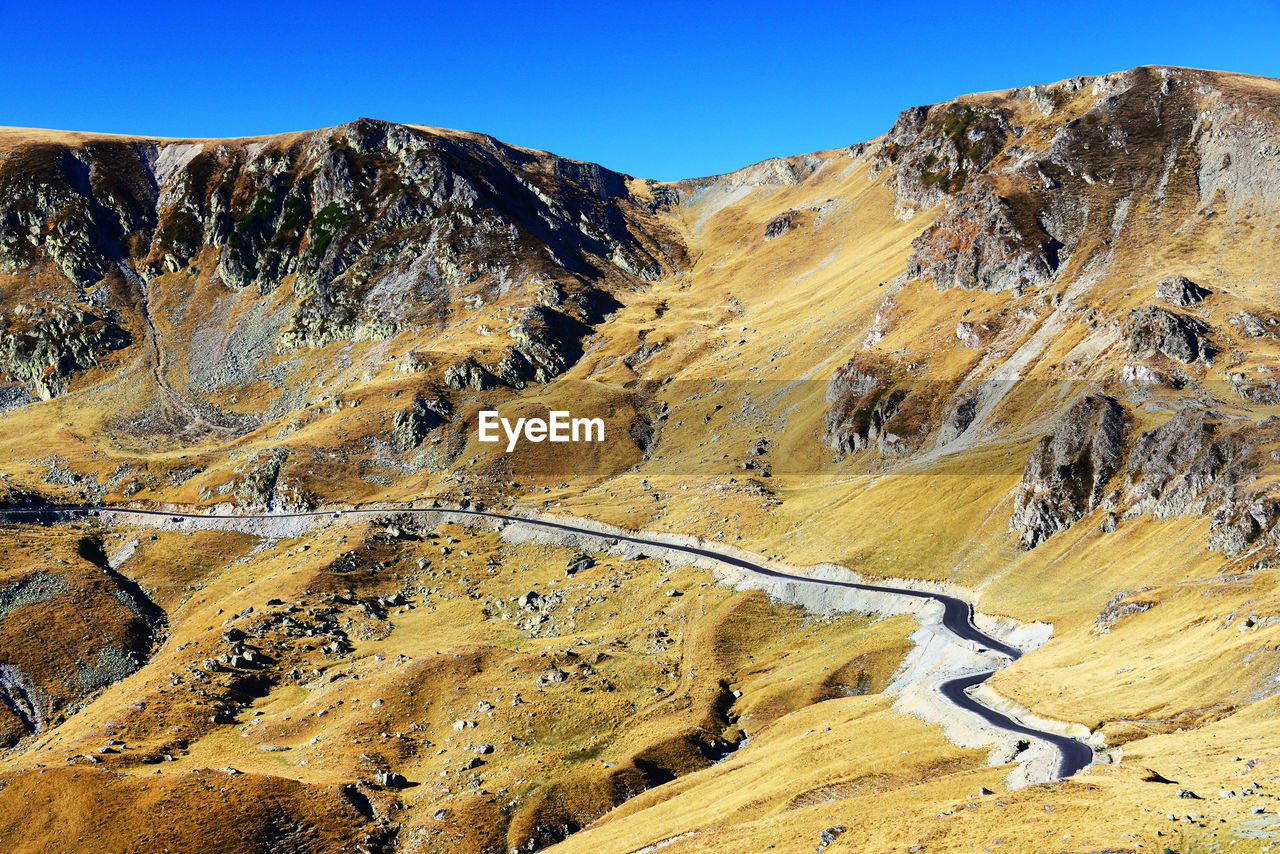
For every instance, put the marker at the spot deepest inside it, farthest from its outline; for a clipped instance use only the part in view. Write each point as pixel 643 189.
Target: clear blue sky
pixel 663 90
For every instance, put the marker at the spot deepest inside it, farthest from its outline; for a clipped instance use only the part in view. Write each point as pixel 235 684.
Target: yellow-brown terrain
pixel 1023 346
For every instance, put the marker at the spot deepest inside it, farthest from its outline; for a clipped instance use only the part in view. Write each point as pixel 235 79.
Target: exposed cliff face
pixel 1195 464
pixel 1198 463
pixel 374 227
pixel 864 404
pixel 1067 474
pixel 981 241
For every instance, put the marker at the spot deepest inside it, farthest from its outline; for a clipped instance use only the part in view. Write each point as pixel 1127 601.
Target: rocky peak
pixel 933 151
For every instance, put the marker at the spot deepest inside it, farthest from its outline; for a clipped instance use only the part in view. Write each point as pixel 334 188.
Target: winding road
pixel 1074 755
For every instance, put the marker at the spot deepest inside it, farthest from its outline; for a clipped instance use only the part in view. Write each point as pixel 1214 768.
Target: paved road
pixel 957 617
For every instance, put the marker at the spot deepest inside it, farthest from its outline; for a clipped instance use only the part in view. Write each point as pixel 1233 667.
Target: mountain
pixel 1024 349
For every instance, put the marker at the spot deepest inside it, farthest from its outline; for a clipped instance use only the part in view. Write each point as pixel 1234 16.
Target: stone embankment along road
pixel 957 615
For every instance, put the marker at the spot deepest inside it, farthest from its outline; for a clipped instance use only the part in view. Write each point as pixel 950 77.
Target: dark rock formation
pixel 1152 330
pixel 1067 474
pixel 982 241
pixel 1197 464
pixel 1179 290
pixel 780 224
pixel 547 343
pixel 413 424
pixel 963 410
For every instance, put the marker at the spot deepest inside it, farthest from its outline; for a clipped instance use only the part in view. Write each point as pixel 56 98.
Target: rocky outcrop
pixel 1120 606
pixel 1180 291
pixel 547 343
pixel 881 323
pixel 981 241
pixel 74 210
pixel 468 373
pixel 1153 330
pixel 1199 464
pixel 960 417
pixel 970 334
pixel 255 482
pixel 1261 388
pixel 43 344
pixel 413 424
pixel 1252 325
pixel 780 224
pixel 1195 464
pixel 867 410
pixel 933 151
pixel 1067 474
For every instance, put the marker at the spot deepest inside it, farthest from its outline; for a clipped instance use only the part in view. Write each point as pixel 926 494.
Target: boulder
pixel 390 780
pixel 579 563
pixel 780 224
pixel 1153 330
pixel 830 835
pixel 1181 291
pixel 970 335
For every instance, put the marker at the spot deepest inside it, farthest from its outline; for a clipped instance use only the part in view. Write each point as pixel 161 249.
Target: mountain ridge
pixel 1025 343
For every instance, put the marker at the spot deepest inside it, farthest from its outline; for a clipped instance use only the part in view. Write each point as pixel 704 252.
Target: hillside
pixel 1023 347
